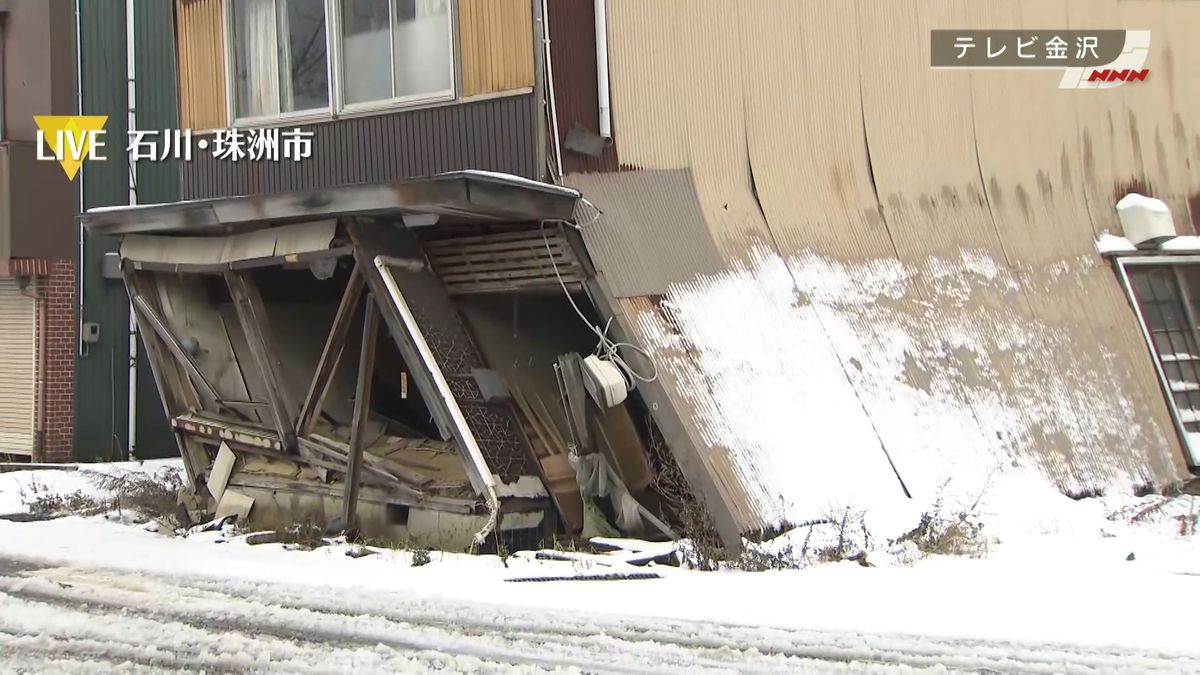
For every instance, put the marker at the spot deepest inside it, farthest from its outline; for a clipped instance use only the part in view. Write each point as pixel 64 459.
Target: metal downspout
pixel 131 73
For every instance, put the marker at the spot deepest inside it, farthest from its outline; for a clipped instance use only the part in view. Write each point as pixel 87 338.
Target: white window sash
pixel 282 90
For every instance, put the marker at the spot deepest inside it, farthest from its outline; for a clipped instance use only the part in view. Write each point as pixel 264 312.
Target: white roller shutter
pixel 18 359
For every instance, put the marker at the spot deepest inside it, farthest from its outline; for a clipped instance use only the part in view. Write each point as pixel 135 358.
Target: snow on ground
pixel 16 487
pixel 1057 592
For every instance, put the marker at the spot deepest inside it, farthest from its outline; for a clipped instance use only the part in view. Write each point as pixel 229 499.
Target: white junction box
pixel 603 381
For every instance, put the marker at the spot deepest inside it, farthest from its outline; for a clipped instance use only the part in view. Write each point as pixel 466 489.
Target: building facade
pixel 848 289
pixel 37 237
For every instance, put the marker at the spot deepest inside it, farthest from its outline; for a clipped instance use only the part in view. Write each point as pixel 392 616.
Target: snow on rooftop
pixel 1111 243
pixel 1181 244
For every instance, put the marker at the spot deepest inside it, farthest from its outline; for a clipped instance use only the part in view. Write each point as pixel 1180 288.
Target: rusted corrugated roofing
pixel 909 291
pixel 644 229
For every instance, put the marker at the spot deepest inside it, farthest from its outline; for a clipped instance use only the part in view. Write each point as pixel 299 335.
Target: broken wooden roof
pixel 457 197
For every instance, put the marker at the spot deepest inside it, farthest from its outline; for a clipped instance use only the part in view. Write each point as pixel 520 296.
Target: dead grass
pixel 939 533
pixel 704 550
pixel 145 496
pixel 304 534
pixel 43 502
pixel 155 495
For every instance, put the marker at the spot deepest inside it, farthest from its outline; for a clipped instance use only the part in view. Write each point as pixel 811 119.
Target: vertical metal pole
pixel 362 405
pixel 131 71
pixel 600 8
pixel 82 202
pixel 539 89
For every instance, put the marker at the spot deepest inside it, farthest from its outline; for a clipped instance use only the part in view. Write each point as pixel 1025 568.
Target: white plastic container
pixel 1146 221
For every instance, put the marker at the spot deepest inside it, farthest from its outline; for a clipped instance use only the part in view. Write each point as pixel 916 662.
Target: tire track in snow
pixel 211 612
pixel 850 647
pixel 550 639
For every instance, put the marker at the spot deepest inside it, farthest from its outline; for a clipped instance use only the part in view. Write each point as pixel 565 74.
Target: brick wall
pixel 59 378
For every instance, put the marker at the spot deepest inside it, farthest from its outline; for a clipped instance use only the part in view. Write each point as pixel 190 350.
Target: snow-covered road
pixel 1069 586
pixel 71 619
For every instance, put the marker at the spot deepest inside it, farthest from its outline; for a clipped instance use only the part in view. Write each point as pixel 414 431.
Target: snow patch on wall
pixel 810 377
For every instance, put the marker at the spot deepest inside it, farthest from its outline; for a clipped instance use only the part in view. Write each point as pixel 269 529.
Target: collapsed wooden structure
pixel 266 321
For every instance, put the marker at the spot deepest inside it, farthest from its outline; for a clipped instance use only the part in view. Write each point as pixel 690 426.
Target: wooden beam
pixel 335 345
pixel 163 332
pixel 397 474
pixel 253 318
pixel 172 390
pixel 362 405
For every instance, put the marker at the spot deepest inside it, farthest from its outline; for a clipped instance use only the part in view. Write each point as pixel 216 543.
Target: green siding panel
pixel 102 369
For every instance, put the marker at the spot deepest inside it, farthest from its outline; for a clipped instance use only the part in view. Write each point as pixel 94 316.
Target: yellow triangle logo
pixel 70 137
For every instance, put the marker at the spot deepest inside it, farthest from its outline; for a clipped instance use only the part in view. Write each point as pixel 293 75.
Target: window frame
pixel 1123 263
pixel 337 108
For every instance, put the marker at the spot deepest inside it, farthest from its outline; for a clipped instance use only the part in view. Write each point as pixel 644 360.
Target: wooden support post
pixel 362 405
pixel 253 318
pixel 173 391
pixel 335 345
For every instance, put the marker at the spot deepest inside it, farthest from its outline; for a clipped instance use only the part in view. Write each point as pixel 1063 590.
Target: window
pixel 1166 295
pixel 279 57
pixel 382 52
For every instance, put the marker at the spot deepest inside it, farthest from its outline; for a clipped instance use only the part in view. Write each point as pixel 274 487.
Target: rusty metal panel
pixel 492 135
pixel 644 229
pixel 496 41
pixel 572 29
pixel 199 32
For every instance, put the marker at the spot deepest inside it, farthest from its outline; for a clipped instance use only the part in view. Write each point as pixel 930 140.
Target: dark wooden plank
pixel 570 367
pixel 171 391
pixel 253 318
pixel 362 405
pixel 331 355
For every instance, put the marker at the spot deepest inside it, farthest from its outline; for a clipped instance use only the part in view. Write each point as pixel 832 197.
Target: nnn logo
pixel 1126 75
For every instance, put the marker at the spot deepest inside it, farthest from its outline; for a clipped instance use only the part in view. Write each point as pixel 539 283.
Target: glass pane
pixel 422 47
pixel 366 51
pixel 302 58
pixel 1172 316
pixel 256 73
pixel 1164 284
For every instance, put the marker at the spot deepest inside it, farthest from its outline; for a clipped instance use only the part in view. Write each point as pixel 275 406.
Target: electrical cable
pixel 607 349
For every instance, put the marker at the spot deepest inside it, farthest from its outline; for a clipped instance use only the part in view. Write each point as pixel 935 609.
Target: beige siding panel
pixel 648 83
pixel 496 45
pixel 909 262
pixel 1109 164
pixel 1181 64
pixel 936 214
pixel 200 35
pixel 1029 155
pixel 1155 111
pixel 18 358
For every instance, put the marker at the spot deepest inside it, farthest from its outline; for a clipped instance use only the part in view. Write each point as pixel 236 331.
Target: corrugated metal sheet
pixel 18 358
pixel 200 34
pixel 157 102
pixel 909 254
pixel 101 372
pixel 572 29
pixel 496 43
pixel 649 231
pixel 492 135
